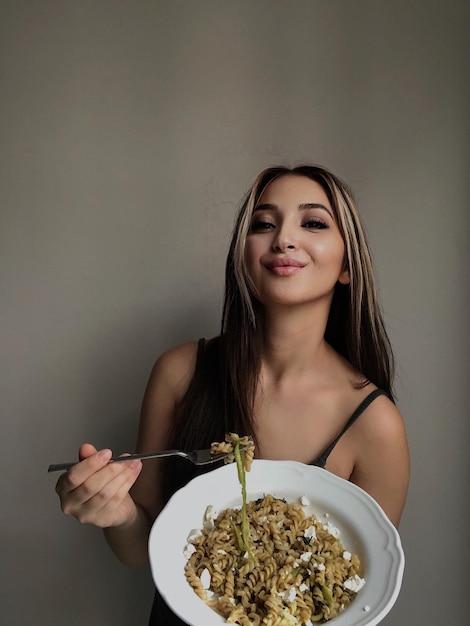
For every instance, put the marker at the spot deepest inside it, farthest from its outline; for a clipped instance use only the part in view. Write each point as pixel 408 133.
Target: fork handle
pixel 116 459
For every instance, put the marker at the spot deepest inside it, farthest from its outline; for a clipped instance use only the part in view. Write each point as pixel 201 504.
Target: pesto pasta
pixel 294 572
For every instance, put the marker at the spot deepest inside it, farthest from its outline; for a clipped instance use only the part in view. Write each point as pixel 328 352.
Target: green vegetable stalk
pixel 327 595
pixel 242 480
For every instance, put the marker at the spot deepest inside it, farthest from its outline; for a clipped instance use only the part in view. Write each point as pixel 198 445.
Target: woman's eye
pixel 315 223
pixel 261 225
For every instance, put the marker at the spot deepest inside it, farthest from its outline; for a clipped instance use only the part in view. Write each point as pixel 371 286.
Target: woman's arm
pixel 125 498
pixel 382 466
pixel 167 384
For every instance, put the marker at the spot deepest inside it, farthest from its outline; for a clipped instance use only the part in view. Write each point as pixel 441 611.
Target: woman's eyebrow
pixel 266 207
pixel 314 205
pixel 302 207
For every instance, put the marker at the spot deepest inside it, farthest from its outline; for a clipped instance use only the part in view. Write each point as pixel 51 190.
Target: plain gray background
pixel 129 131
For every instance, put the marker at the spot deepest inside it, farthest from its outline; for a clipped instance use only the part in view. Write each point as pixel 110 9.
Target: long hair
pixel 221 394
pixel 355 325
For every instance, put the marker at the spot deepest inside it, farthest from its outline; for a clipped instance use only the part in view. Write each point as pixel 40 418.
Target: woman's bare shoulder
pixel 382 465
pixel 177 359
pixel 382 419
pixel 167 384
pixel 173 369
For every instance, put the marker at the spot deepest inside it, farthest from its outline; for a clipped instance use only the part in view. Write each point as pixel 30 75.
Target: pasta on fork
pixel 228 446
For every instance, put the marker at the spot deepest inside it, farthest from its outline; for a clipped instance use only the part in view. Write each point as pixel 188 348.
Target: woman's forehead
pixel 293 189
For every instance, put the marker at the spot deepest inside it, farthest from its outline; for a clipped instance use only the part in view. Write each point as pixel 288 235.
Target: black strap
pixel 321 460
pixel 201 344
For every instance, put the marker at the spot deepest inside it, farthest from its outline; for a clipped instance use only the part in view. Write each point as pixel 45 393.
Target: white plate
pixel 364 527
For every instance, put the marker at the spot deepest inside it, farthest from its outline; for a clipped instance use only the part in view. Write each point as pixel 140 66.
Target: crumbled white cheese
pixel 332 529
pixel 366 609
pixel 194 534
pixel 320 566
pixel 354 583
pixel 347 555
pixel 221 552
pixel 310 533
pixel 189 549
pixel 304 501
pixel 206 579
pixel 288 596
pixel 292 594
pixel 209 516
pixel 306 556
pixel 308 623
pixel 303 587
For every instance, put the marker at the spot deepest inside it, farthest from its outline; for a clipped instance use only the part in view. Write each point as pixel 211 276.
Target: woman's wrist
pixel 129 541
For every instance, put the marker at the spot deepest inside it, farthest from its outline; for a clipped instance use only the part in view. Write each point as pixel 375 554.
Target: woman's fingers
pixel 79 473
pixel 93 490
pixel 103 485
pixel 86 450
pixel 112 505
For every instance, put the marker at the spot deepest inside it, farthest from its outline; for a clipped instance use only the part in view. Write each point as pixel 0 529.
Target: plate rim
pixel 261 469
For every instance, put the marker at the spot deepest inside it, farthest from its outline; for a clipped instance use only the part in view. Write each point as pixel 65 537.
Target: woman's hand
pixel 97 492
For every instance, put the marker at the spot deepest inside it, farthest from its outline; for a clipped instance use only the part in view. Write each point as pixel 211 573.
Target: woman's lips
pixel 284 267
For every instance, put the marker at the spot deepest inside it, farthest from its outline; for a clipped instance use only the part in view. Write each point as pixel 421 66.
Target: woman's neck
pixel 292 340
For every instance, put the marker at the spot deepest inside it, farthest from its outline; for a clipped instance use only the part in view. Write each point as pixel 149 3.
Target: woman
pixel 303 364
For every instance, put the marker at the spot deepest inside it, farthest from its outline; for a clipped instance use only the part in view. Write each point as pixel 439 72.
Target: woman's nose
pixel 284 240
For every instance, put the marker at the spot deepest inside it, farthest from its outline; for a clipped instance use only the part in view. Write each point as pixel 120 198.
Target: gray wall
pixel 129 130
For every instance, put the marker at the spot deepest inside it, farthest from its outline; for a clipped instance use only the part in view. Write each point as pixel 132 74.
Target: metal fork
pixel 198 457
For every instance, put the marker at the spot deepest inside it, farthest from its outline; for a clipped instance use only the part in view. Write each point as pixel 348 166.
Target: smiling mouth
pixel 280 263
pixel 284 267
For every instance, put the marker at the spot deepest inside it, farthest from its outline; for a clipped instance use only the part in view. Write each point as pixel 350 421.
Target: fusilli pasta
pixel 296 572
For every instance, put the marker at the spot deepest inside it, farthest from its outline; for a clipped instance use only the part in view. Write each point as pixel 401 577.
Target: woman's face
pixel 294 251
